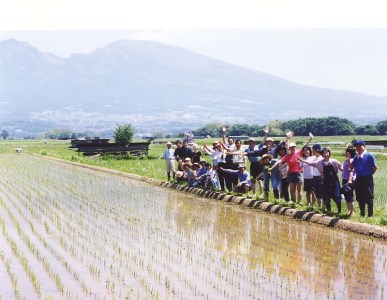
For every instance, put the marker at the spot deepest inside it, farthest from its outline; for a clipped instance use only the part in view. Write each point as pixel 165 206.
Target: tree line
pixel 319 126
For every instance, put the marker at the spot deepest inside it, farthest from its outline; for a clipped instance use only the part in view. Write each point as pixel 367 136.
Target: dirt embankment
pixel 362 228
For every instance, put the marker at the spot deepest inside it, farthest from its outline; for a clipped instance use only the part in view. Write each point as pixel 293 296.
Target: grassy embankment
pixel 153 166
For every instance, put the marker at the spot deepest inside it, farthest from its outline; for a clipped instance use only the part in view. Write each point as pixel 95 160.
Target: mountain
pixel 158 86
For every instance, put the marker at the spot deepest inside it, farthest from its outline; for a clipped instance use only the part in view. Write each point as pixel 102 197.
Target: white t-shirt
pixel 308 170
pixel 316 172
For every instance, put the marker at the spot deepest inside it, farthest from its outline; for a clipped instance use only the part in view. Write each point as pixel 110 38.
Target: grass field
pixel 153 166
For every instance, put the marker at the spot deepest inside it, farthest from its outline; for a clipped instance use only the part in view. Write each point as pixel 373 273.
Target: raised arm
pixel 257 153
pixel 266 133
pixel 275 165
pixel 309 140
pixel 289 135
pixel 225 148
pixel 224 135
pixel 207 150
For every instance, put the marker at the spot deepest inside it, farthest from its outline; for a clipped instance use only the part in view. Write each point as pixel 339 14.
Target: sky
pixel 333 44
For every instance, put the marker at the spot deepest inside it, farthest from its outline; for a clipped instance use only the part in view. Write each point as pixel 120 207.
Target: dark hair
pixel 281 146
pixel 326 149
pixel 178 141
pixel 307 148
pixel 351 151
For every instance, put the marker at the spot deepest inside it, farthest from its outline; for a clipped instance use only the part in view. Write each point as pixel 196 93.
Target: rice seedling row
pixel 95 235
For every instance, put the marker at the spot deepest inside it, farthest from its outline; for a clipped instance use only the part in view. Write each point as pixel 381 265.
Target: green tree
pixel 212 129
pixel 124 134
pixel 320 126
pixel 61 134
pixel 382 127
pixel 4 134
pixel 256 130
pixel 275 128
pixel 158 134
pixel 366 130
pixel 238 129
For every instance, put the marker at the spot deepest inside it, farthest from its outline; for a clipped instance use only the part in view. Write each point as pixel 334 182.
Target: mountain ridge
pixel 153 84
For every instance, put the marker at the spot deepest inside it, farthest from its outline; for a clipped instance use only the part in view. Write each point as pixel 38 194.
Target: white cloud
pixel 189 14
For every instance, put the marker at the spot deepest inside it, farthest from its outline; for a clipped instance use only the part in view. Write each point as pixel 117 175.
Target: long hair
pixel 351 151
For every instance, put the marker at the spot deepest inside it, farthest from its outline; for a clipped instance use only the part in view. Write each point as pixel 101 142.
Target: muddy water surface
pixel 69 232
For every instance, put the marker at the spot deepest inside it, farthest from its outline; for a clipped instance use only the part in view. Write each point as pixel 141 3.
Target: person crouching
pixel 244 185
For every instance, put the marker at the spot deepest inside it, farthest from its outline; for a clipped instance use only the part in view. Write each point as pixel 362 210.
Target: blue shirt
pixel 364 164
pixel 250 157
pixel 201 172
pixel 243 177
pixel 169 154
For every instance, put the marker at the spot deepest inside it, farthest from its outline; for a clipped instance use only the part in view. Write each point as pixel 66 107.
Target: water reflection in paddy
pixel 276 257
pixel 86 234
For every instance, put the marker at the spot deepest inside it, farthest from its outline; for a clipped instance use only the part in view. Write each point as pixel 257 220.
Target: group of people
pixel 280 166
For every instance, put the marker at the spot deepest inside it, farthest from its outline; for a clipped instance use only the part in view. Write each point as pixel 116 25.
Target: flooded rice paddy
pixel 73 233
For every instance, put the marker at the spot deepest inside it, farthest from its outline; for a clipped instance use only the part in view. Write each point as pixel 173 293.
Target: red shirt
pixel 292 161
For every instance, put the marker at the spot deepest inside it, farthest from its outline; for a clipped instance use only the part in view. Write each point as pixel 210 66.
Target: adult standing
pixel 364 164
pixel 229 145
pixel 196 154
pixel 317 176
pixel 284 168
pixel 219 158
pixel 234 157
pixel 169 157
pixel 254 154
pixel 347 189
pixel 329 167
pixel 178 154
pixel 308 177
pixel 294 173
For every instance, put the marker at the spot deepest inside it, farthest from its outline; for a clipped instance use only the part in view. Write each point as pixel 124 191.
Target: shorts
pixel 318 186
pixel 255 169
pixel 309 185
pixel 241 188
pixel 295 177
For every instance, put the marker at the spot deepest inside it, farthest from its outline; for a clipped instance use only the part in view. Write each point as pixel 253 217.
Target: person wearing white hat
pixel 294 172
pixel 244 185
pixel 170 160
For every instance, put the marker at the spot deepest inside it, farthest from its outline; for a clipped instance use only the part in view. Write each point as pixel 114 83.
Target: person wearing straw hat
pixel 219 159
pixel 269 142
pixel 189 174
pixel 211 177
pixel 234 157
pixel 254 154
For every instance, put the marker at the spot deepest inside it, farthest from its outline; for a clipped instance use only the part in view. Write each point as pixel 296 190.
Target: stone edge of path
pixel 356 227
